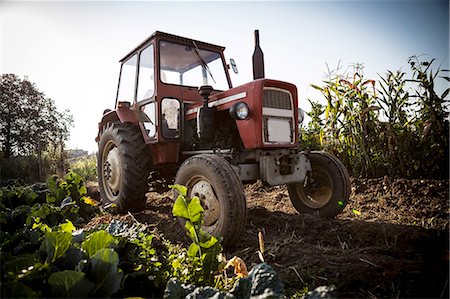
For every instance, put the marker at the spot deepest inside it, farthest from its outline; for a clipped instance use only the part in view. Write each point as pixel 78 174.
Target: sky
pixel 70 50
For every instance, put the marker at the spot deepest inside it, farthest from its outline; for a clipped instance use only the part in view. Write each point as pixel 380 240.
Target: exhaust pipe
pixel 258 59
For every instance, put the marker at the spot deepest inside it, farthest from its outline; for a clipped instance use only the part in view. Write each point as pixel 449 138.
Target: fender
pixel 122 114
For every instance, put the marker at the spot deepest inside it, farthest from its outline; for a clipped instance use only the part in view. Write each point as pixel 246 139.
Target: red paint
pixel 165 152
pixel 250 129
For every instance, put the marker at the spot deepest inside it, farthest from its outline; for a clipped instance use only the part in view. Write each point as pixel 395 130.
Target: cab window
pixel 170 118
pixel 148 118
pixel 127 80
pixel 191 66
pixel 146 81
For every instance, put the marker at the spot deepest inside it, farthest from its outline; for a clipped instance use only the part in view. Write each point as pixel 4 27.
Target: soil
pixel 391 240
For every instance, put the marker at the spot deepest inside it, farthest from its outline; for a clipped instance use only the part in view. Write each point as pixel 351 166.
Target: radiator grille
pixel 274 98
pixel 278 116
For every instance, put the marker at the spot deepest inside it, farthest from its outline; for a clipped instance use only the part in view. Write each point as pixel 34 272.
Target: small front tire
pixel 326 191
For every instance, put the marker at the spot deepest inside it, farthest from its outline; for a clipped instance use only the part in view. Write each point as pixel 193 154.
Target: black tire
pixel 326 192
pixel 214 181
pixel 123 164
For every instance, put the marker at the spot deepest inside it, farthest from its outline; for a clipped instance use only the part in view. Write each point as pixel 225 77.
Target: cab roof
pixel 168 36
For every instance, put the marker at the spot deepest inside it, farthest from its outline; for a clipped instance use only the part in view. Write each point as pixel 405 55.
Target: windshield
pixel 191 66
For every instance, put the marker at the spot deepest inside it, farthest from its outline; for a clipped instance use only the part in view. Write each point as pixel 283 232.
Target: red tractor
pixel 177 114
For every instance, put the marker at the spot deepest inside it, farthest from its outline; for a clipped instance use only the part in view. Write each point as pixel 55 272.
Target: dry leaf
pixel 240 269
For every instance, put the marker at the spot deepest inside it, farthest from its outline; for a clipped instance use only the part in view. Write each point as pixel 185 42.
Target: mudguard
pixel 123 115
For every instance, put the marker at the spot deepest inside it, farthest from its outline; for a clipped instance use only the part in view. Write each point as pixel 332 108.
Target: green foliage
pixel 70 284
pixel 71 185
pixel 182 266
pixel 45 256
pixel 51 204
pixel 105 273
pixel 29 120
pixel 67 227
pixel 55 244
pixel 15 196
pixel 97 241
pixel 204 246
pixel 32 131
pixel 385 131
pixel 349 128
pixel 431 118
pixel 148 257
pixel 311 136
pixel 36 238
pixel 393 98
pixel 68 193
pixel 86 167
pixel 63 265
pixel 300 293
pixel 398 134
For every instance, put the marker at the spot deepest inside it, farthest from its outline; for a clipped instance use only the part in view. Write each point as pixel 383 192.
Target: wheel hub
pixel 203 190
pixel 112 172
pixel 318 189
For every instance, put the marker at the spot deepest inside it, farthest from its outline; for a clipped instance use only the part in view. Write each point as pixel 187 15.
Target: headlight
pixel 301 116
pixel 239 111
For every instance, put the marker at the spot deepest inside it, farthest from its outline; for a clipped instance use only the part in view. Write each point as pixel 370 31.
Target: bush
pixel 28 169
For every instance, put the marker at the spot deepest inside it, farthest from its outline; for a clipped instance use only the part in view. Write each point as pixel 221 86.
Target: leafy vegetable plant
pixel 44 255
pixel 204 245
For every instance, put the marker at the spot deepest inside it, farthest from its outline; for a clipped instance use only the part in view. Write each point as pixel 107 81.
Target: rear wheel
pixel 122 166
pixel 213 180
pixel 326 191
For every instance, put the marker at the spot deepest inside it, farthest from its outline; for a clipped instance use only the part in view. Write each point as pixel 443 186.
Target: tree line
pixel 32 131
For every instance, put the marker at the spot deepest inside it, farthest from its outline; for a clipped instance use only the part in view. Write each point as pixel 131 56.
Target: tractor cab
pixel 161 77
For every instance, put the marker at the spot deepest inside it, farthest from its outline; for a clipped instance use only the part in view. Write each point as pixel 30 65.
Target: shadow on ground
pixel 397 246
pixel 362 258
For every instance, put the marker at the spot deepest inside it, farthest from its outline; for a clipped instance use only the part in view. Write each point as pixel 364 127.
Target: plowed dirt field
pixel 392 239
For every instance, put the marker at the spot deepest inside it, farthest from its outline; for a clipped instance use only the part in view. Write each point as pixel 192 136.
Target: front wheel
pixel 326 191
pixel 213 180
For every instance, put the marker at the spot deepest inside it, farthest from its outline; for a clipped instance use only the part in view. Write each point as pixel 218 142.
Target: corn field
pixel 395 126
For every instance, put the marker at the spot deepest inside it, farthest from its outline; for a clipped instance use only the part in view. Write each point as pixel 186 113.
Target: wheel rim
pixel 201 187
pixel 316 192
pixel 111 171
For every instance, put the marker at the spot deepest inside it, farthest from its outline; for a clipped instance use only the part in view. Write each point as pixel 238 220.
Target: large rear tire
pixel 213 180
pixel 326 191
pixel 123 164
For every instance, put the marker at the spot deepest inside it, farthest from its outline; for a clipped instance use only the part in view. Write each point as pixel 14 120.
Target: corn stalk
pixel 350 119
